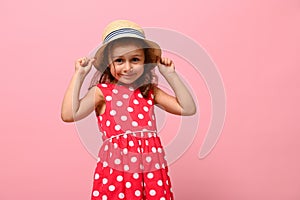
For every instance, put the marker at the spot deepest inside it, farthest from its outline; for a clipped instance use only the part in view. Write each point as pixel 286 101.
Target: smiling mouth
pixel 127 75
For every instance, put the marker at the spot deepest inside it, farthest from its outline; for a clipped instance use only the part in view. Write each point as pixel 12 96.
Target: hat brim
pixel 98 52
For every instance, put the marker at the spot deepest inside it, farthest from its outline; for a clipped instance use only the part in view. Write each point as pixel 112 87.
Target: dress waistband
pixel 132 133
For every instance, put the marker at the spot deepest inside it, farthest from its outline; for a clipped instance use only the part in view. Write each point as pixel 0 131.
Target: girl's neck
pixel 133 85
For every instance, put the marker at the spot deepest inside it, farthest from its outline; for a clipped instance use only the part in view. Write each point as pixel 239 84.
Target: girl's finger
pixel 90 61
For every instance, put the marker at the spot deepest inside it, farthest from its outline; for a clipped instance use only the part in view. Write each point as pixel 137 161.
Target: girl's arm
pixel 73 108
pixel 182 103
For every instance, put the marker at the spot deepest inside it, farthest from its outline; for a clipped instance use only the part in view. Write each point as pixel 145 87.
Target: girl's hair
pixel 146 82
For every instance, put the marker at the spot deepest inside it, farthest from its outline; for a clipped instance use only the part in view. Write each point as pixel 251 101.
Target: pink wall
pixel 255 45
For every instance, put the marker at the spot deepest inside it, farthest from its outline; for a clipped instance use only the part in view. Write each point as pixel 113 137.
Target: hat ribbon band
pixel 123 31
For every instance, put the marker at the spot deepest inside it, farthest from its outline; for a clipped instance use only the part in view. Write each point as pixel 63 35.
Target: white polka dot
pixel 159 150
pixel 117 161
pixel 106 147
pixel 146 109
pixel 140 95
pixel 131 143
pixel 129 109
pixel 113 112
pixel 134 123
pixel 104 181
pixel 153 117
pixel 160 183
pixel 98 159
pixel 117 127
pixel 152 96
pixel 128 184
pixel 150 175
pixel 125 150
pixel 139 150
pixel 97 176
pixel 136 175
pixel 133 159
pixel 125 136
pixel 148 158
pixel 162 198
pixel 105 164
pixel 104 197
pixel 137 193
pixel 163 165
pixel 126 168
pixel 136 102
pixel 149 123
pixel 96 193
pixel 140 142
pixel 121 195
pixel 111 188
pixel 115 91
pixel 141 166
pixel 157 166
pixel 107 123
pixel 100 118
pixel 150 102
pixel 104 85
pixel 153 149
pixel 115 145
pixel 152 192
pixel 119 178
pixel 123 118
pixel 131 88
pixel 119 103
pixel 125 96
pixel 111 171
pixel 140 116
pixel 108 98
pixel 167 182
pixel 147 142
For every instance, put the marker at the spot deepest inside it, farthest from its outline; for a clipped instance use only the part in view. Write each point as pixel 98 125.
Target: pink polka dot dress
pixel 131 162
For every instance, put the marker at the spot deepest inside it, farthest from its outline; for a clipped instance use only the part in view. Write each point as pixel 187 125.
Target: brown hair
pixel 148 79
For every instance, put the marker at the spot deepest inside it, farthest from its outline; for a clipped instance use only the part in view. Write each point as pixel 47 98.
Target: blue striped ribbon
pixel 123 31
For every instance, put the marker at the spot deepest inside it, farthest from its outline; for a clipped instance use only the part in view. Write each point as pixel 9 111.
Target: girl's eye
pixel 135 59
pixel 118 61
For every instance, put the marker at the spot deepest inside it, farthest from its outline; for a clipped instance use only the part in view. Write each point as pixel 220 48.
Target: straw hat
pixel 122 29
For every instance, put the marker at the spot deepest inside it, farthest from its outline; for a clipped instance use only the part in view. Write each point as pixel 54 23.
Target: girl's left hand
pixel 166 66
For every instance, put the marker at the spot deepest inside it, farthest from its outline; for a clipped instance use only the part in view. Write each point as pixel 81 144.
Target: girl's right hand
pixel 83 65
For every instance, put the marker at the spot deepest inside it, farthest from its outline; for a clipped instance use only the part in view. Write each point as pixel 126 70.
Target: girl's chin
pixel 125 81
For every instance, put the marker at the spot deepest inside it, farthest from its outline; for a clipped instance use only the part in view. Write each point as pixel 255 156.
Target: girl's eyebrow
pixel 113 57
pixel 135 55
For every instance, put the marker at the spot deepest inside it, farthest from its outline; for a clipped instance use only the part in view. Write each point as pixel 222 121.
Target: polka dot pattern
pixel 131 163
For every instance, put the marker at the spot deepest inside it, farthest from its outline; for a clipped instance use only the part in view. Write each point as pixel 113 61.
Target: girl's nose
pixel 127 67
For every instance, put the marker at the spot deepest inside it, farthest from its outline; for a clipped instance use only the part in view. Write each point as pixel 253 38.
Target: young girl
pixel 131 162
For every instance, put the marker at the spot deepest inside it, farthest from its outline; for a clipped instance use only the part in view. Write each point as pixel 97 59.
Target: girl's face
pixel 126 62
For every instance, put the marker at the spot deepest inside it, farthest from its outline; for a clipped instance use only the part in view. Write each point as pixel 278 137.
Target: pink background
pixel 254 43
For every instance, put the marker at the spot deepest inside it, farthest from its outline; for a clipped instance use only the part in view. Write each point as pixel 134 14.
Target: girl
pixel 131 161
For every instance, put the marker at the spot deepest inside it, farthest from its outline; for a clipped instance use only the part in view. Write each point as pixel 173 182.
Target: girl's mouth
pixel 127 75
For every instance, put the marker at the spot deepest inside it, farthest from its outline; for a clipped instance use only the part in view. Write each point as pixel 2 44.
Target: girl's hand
pixel 83 65
pixel 166 66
